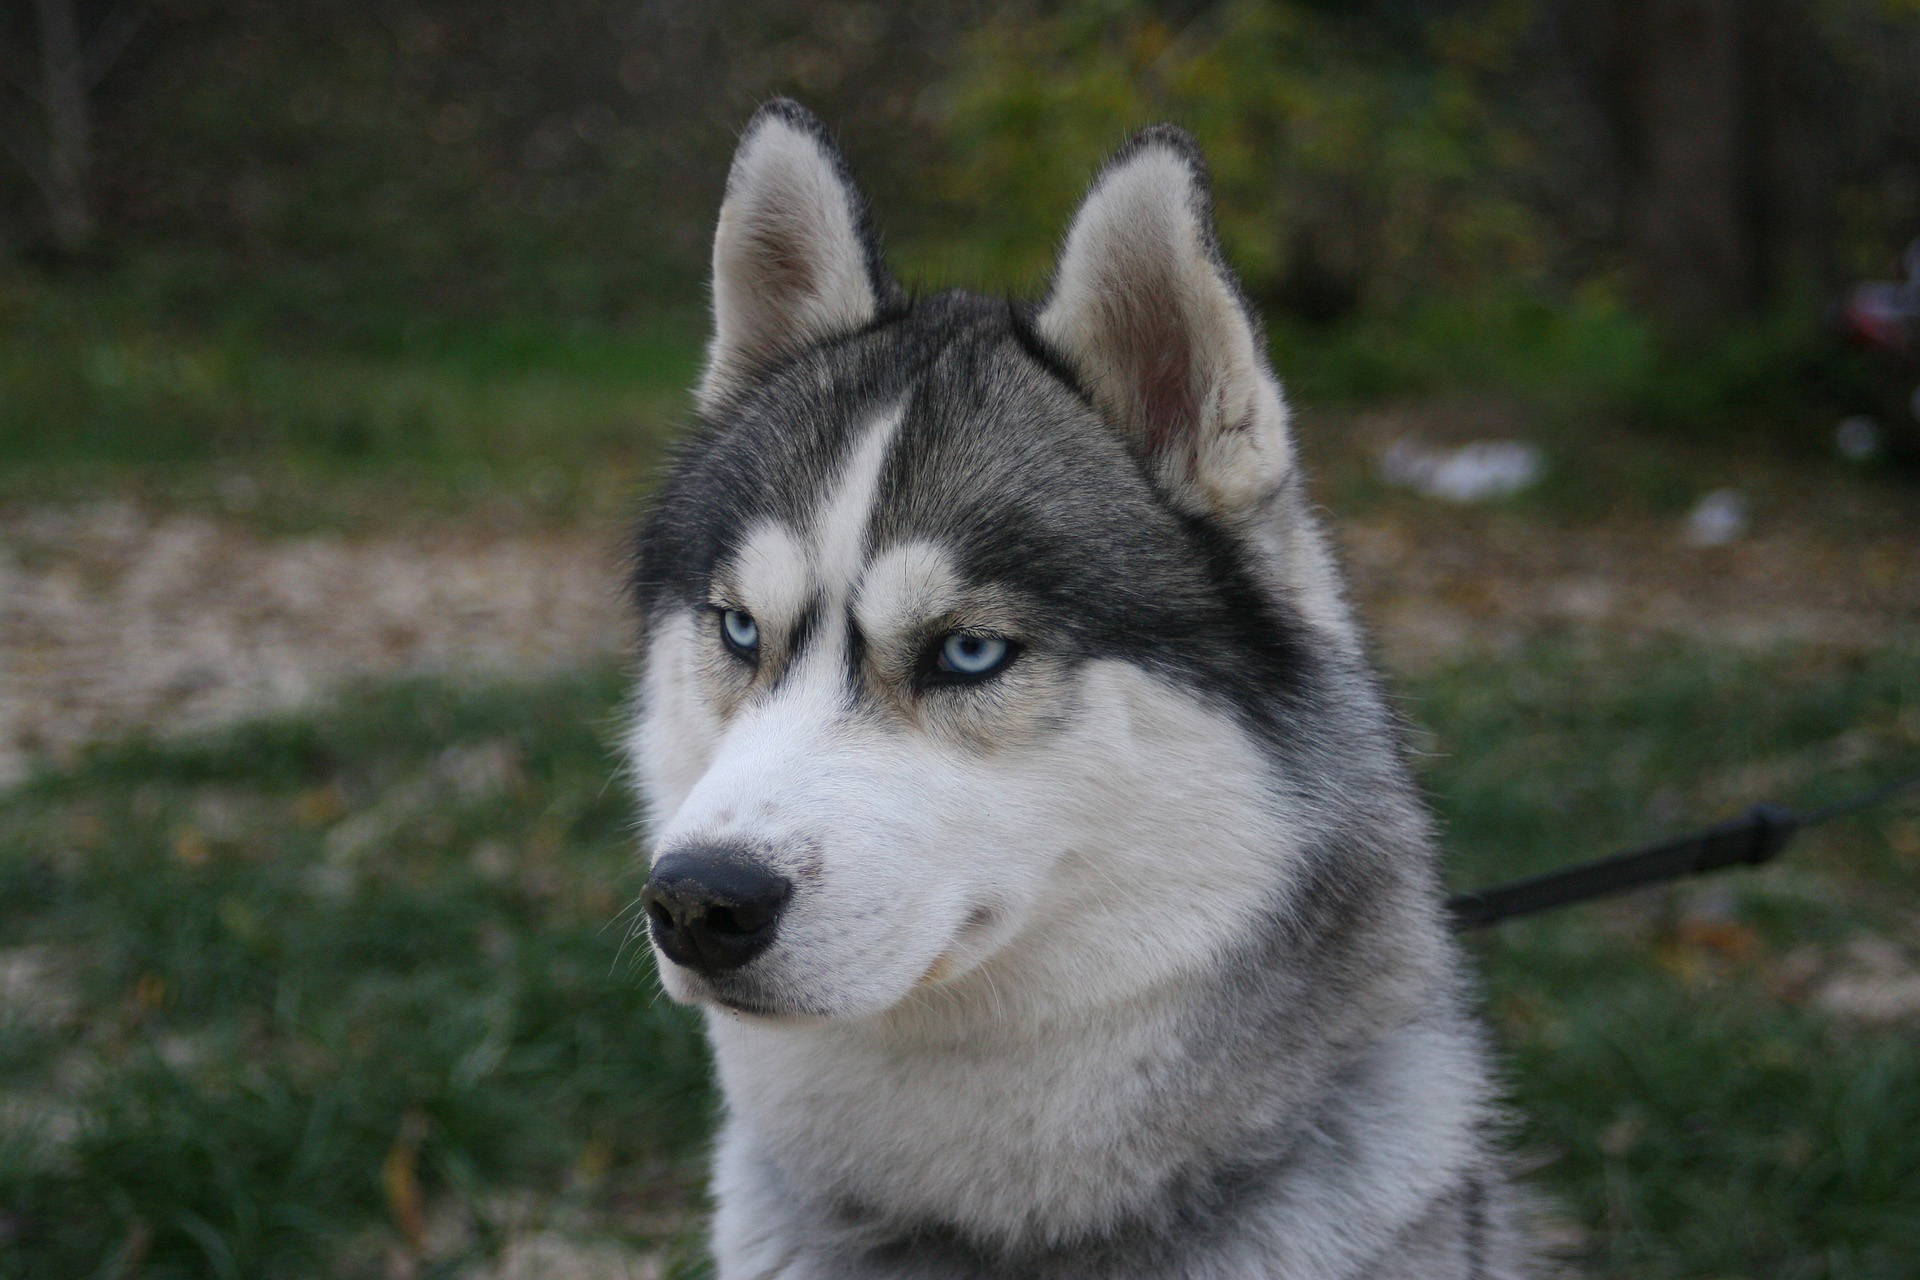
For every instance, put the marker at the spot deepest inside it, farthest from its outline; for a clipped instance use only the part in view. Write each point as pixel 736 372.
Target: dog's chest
pixel 1040 1131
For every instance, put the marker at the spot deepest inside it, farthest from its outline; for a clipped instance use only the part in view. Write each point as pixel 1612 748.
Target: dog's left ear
pixel 795 259
pixel 1145 310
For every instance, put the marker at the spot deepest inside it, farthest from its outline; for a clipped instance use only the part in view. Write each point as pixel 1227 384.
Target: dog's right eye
pixel 740 631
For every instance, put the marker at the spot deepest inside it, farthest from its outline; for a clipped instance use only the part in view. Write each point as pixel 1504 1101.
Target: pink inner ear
pixel 784 270
pixel 1156 360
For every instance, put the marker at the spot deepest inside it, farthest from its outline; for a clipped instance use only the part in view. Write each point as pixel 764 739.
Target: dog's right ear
pixel 795 259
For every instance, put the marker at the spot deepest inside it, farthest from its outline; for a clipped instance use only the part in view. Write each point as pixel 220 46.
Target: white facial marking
pixel 776 574
pixel 769 577
pixel 903 585
pixel 840 524
pixel 673 736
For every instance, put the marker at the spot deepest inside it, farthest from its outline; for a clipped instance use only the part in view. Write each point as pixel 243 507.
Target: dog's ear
pixel 1143 307
pixel 794 257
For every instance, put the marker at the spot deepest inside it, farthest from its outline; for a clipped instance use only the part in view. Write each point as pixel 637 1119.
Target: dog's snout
pixel 713 910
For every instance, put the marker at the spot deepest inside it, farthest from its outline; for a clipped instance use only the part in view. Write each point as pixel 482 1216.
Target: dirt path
pixel 116 620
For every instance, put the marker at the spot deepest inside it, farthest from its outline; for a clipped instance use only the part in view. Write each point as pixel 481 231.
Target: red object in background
pixel 1886 316
pixel 1881 316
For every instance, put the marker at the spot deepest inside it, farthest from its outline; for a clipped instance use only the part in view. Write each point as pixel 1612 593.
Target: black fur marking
pixel 856 651
pixel 1476 1228
pixel 805 628
pixel 1020 320
pixel 1195 1211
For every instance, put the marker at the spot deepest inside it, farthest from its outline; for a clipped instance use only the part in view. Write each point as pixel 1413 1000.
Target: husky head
pixel 989 650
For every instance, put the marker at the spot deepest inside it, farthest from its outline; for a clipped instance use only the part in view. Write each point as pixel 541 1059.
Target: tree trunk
pixel 65 83
pixel 1675 69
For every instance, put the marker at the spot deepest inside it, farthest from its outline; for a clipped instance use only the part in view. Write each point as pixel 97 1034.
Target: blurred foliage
pixel 348 169
pixel 1351 169
pixel 1423 194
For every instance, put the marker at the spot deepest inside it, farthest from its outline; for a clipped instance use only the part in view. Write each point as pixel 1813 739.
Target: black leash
pixel 1750 840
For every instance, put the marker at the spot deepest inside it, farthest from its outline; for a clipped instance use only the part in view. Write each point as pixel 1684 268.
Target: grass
pixel 1700 1113
pixel 337 993
pixel 104 393
pixel 317 991
pixel 245 404
pixel 327 991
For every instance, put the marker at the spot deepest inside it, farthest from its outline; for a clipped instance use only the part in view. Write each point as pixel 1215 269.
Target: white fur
pixel 677 725
pixel 1119 858
pixel 904 585
pixel 771 570
pixel 788 264
pixel 839 527
pixel 920 1120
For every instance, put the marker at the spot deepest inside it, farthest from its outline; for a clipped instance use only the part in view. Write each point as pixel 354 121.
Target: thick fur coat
pixel 1091 925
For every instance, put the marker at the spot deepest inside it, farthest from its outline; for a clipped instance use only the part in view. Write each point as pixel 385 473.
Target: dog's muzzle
pixel 711 910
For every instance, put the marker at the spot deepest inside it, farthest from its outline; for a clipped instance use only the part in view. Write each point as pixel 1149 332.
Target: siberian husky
pixel 1025 816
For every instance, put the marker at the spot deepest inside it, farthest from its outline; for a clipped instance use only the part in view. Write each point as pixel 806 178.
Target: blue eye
pixel 740 631
pixel 972 655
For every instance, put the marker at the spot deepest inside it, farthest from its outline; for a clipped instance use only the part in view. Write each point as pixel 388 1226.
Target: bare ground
pixel 115 619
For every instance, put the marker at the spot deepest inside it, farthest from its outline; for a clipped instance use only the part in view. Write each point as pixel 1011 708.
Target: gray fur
pixel 1318 1101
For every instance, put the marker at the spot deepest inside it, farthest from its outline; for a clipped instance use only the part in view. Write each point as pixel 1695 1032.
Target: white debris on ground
pixel 1879 984
pixel 1717 519
pixel 1857 438
pixel 1478 471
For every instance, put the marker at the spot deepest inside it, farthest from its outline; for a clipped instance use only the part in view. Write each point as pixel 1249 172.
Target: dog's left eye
pixel 971 655
pixel 740 631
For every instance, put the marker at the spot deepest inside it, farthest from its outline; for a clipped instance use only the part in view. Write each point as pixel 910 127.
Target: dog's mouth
pixel 749 996
pixel 751 1002
pixel 956 959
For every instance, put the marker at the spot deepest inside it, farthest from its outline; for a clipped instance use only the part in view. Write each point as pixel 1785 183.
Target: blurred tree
pixel 1722 113
pixel 1359 152
pixel 69 71
pixel 364 164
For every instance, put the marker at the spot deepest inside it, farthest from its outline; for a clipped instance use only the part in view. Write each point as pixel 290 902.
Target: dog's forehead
pixel 984 451
pixel 956 462
pixel 961 439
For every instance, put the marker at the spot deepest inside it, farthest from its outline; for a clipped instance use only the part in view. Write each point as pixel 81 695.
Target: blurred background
pixel 338 341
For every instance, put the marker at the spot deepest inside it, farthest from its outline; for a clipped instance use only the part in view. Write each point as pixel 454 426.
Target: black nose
pixel 713 910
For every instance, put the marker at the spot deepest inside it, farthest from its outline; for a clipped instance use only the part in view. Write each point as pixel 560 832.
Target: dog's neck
pixel 1005 1125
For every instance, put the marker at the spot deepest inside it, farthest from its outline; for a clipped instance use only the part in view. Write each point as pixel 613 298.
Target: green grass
pixel 307 953
pixel 1700 1114
pixel 104 393
pixel 241 403
pixel 294 975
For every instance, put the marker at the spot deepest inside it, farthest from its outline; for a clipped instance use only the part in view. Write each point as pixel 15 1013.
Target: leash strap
pixel 1754 838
